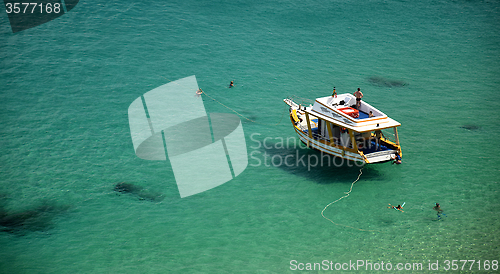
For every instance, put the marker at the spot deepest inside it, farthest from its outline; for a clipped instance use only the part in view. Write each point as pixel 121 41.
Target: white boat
pixel 334 126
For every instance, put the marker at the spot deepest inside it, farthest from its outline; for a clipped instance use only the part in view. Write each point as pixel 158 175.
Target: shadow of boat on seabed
pixel 295 158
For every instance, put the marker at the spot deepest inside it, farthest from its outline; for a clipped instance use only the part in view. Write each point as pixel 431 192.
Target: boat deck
pixel 374 147
pixel 363 115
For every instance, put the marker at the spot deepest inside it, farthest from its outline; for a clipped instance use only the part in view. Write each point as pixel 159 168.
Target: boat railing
pixel 319 137
pixel 301 127
pixel 300 100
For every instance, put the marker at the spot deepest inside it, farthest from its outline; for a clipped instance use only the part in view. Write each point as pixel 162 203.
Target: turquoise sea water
pixel 65 140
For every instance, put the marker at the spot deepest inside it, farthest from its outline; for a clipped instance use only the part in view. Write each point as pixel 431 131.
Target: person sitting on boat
pixel 364 140
pixel 371 114
pixel 334 94
pixel 358 94
pixel 231 84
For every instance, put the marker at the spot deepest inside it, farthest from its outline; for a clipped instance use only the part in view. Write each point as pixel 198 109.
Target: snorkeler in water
pixel 396 159
pixel 399 207
pixel 437 208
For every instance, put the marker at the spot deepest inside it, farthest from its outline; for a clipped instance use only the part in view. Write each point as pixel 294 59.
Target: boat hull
pixel 347 148
pixel 324 147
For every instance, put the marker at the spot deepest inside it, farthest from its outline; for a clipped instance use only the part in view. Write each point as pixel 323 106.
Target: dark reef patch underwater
pixel 139 192
pixel 470 127
pixel 385 82
pixel 39 218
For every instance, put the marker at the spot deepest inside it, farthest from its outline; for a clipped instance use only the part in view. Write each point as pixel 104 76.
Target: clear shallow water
pixel 65 141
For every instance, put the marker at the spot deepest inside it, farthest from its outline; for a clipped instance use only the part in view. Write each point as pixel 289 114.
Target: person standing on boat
pixel 334 94
pixel 358 94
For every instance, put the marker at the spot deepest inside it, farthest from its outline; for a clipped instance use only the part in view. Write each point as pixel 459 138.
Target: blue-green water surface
pixel 65 140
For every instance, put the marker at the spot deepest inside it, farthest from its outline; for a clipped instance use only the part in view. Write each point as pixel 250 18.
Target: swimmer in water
pixel 199 92
pixel 231 84
pixel 396 159
pixel 437 208
pixel 399 207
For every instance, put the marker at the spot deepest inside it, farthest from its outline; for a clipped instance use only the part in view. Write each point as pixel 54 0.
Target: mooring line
pixel 239 114
pixel 345 196
pixel 253 121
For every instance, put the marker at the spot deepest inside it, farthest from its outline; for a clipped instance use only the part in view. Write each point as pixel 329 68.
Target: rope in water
pixel 243 116
pixel 239 114
pixel 345 196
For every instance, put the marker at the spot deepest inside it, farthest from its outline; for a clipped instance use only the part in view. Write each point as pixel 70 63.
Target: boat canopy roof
pixel 336 110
